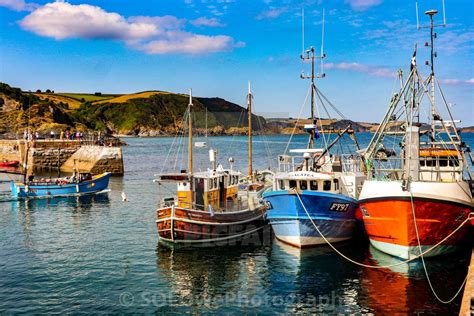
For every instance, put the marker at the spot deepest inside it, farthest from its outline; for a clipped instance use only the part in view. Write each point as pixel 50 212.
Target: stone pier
pixel 54 154
pixel 95 159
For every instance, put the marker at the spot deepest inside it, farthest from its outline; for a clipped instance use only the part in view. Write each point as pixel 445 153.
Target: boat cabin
pixel 209 188
pixel 440 164
pixel 310 182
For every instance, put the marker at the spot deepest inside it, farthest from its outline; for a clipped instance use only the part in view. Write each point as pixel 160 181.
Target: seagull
pixel 124 197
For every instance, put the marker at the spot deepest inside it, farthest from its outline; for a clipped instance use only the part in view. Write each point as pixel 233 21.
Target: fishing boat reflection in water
pixel 404 288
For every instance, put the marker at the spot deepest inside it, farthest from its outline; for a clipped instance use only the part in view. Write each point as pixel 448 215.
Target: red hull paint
pixel 391 221
pixel 9 164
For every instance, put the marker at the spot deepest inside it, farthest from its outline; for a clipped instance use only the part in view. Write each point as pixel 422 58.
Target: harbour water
pixel 98 254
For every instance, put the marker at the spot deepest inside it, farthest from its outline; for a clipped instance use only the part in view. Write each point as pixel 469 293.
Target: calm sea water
pixel 97 254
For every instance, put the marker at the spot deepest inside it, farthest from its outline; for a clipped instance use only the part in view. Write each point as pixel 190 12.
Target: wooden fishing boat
pixel 211 207
pixel 419 193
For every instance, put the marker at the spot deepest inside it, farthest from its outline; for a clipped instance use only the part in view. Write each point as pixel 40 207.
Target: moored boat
pixel 80 184
pixel 314 196
pixel 419 193
pixel 211 207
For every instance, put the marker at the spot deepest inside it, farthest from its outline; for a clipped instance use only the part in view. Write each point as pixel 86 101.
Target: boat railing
pixel 351 163
pixel 395 168
pixel 227 206
pixel 336 163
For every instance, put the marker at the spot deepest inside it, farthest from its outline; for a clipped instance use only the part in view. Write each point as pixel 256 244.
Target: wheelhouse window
pixel 215 183
pixel 430 162
pixel 292 184
pixel 327 185
pixel 281 184
pixel 303 185
pixel 443 162
pixel 336 184
pixel 453 161
pixel 313 185
pixel 422 162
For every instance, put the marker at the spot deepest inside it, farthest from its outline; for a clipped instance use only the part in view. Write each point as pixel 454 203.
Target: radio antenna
pixel 322 46
pixel 302 32
pixel 417 19
pixel 433 55
pixel 310 54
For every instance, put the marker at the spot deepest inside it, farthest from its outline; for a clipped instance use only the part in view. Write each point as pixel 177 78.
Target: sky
pixel 217 46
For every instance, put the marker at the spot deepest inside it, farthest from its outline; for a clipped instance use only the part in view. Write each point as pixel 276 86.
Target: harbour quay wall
pixel 95 159
pixel 54 154
pixel 12 150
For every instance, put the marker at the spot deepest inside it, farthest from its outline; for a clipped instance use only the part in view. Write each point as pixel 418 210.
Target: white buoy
pixel 124 197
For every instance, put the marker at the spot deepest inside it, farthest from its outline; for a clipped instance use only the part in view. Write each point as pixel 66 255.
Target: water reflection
pixel 405 289
pixel 196 275
pixel 320 279
pixel 74 204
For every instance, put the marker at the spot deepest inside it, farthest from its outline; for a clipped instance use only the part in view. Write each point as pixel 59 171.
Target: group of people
pixel 63 135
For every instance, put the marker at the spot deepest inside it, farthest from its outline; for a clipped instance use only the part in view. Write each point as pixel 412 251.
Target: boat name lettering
pixel 339 207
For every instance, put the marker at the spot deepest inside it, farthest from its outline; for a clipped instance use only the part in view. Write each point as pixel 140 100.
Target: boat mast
pixel 190 134
pixel 433 55
pixel 310 55
pixel 431 13
pixel 249 112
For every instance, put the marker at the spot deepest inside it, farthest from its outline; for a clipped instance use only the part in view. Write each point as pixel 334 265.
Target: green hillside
pixel 143 113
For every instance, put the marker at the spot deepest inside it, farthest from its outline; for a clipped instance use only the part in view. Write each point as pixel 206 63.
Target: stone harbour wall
pixel 51 154
pixel 95 159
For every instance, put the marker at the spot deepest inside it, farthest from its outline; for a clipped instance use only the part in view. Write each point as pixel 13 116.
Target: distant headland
pixel 147 113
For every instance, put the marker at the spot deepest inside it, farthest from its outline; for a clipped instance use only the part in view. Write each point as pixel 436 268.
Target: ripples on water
pixel 98 254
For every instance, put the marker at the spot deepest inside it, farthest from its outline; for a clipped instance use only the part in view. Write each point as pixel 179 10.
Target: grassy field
pixel 124 98
pixel 87 97
pixel 72 103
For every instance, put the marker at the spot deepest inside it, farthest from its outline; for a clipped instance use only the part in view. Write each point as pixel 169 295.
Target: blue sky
pixel 216 46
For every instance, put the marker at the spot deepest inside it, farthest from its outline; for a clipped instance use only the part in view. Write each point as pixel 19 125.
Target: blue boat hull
pixel 334 215
pixel 97 184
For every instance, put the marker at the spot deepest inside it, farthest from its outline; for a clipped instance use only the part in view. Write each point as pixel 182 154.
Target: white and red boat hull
pixel 440 208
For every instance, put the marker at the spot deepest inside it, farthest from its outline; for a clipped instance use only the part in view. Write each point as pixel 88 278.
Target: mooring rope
pixel 423 259
pixel 372 266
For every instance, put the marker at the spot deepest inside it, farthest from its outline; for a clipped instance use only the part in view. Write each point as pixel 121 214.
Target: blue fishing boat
pixel 313 199
pixel 314 195
pixel 79 184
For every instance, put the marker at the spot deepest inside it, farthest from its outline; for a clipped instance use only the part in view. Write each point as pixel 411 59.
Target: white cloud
pixel 62 20
pixel 191 43
pixel 210 22
pixel 457 82
pixel 368 69
pixel 402 33
pixel 153 35
pixel 271 13
pixel 168 22
pixel 362 5
pixel 18 5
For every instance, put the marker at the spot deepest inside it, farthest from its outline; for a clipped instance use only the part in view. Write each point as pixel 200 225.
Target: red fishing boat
pixel 419 192
pixel 9 164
